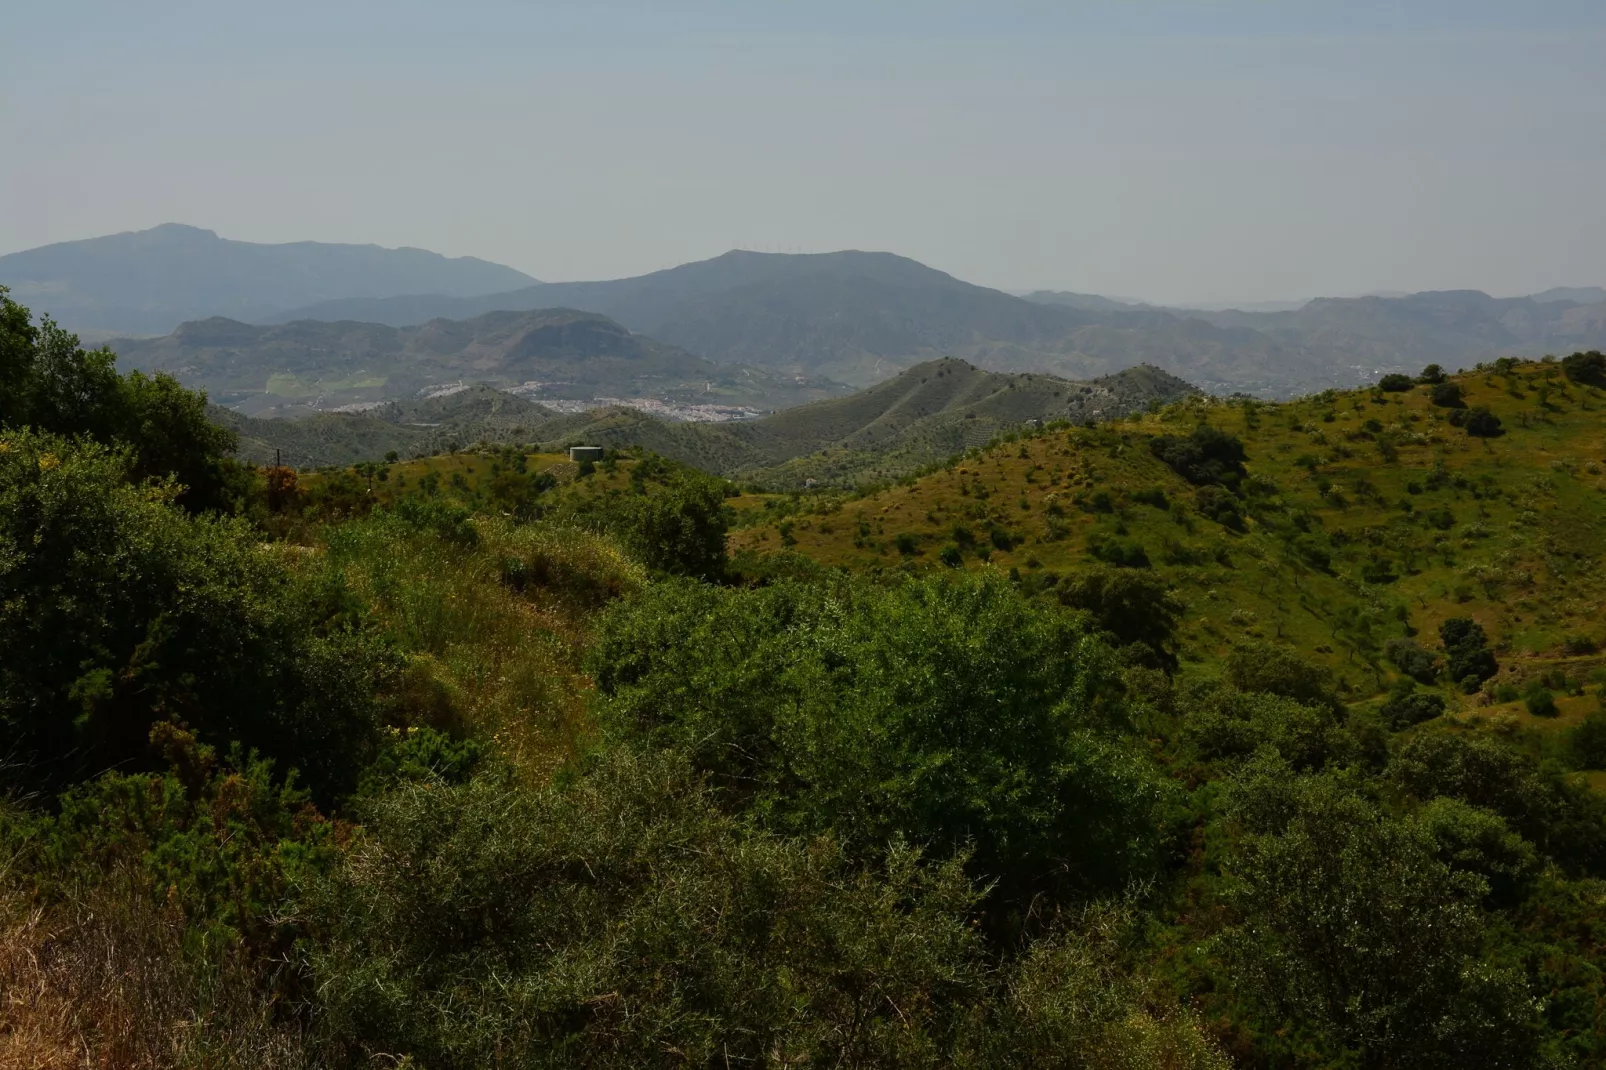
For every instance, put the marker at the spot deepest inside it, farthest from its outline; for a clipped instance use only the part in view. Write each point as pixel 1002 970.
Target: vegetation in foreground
pixel 297 783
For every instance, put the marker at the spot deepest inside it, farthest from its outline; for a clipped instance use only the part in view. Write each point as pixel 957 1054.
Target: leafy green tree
pixel 1136 609
pixel 1466 651
pixel 1432 375
pixel 944 711
pixel 1448 395
pixel 1355 934
pixel 1207 455
pixel 1407 705
pixel 119 610
pixel 680 530
pixel 1588 368
pixel 1411 659
pixel 48 382
pixel 1562 818
pixel 1278 670
pixel 1396 383
pixel 1588 740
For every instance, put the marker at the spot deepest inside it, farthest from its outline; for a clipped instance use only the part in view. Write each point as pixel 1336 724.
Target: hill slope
pixel 570 355
pixel 150 281
pixel 1367 515
pixel 926 414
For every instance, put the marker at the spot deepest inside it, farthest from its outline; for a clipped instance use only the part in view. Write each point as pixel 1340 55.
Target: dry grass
pixel 113 982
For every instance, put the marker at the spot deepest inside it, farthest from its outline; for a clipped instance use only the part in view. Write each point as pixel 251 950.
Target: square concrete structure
pixel 585 453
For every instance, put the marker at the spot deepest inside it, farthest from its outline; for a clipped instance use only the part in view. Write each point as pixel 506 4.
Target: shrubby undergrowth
pixel 428 785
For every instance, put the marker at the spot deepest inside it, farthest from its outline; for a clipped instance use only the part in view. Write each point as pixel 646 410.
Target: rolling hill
pixel 1366 516
pixel 150 281
pixel 922 416
pixel 565 354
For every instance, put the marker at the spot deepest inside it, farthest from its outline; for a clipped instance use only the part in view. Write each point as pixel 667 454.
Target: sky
pixel 1179 152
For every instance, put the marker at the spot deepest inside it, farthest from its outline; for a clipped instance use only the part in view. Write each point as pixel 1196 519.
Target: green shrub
pixel 618 919
pixel 944 711
pixel 1396 383
pixel 1540 702
pixel 1588 369
pixel 1220 506
pixel 1448 396
pixel 1587 740
pixel 1118 550
pixel 1432 375
pixel 1278 670
pixel 119 610
pixel 1407 706
pixel 1466 650
pixel 1135 608
pixel 1354 927
pixel 1207 455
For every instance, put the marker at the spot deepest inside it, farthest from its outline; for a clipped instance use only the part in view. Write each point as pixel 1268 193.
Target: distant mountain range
pixel 150 281
pixel 555 354
pixel 925 414
pixel 853 317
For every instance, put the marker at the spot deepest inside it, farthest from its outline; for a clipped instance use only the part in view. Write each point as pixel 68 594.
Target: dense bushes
pixel 1207 455
pixel 49 383
pixel 118 610
pixel 948 713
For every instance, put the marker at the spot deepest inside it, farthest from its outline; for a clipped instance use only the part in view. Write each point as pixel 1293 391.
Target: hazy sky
pixel 1174 151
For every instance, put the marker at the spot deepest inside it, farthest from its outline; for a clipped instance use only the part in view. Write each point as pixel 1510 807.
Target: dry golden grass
pixel 113 983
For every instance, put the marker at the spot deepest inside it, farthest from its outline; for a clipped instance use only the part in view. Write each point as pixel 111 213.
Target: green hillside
pixel 1365 516
pixel 493 759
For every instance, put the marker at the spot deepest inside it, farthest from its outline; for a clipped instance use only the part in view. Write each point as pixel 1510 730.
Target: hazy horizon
pixel 1183 153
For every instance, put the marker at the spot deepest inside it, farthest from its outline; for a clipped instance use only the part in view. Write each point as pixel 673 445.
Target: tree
pixel 1137 609
pixel 1396 383
pixel 119 610
pixel 1432 375
pixel 680 530
pixel 1277 670
pixel 944 711
pixel 1355 933
pixel 1588 369
pixel 1448 395
pixel 48 382
pixel 1466 650
pixel 1207 455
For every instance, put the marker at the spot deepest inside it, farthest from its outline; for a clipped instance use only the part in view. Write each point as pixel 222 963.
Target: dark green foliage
pixel 944 712
pixel 1407 705
pixel 48 382
pixel 951 556
pixel 1277 670
pixel 1222 724
pixel 222 841
pixel 1208 455
pixel 1152 496
pixel 1539 701
pixel 444 518
pixel 1476 841
pixel 1432 375
pixel 118 610
pixel 1588 369
pixel 422 754
pixel 1479 422
pixel 622 921
pixel 1118 550
pixel 1001 538
pixel 1411 659
pixel 1136 609
pixel 1396 383
pixel 1466 650
pixel 680 530
pixel 1220 506
pixel 907 544
pixel 1588 740
pixel 1357 934
pixel 1564 819
pixel 1448 396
